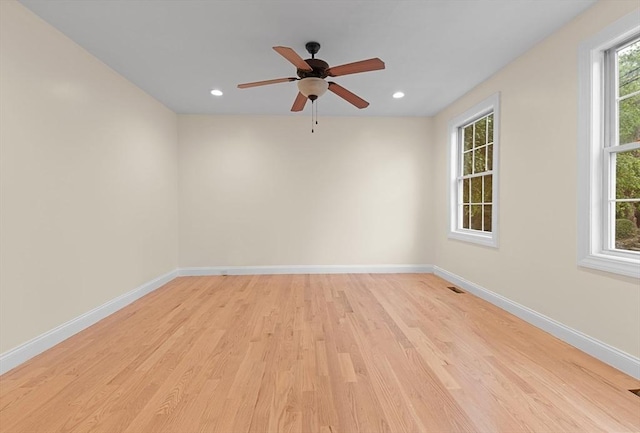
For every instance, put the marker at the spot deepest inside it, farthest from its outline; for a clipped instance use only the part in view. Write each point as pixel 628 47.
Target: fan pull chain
pixel 314 114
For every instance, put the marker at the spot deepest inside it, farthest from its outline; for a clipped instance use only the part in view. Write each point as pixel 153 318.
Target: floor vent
pixel 455 289
pixel 635 391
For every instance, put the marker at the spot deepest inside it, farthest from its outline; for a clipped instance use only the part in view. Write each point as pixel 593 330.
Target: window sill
pixel 614 264
pixel 488 240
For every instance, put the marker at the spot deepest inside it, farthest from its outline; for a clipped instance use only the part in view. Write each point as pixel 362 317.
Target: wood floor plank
pixel 315 353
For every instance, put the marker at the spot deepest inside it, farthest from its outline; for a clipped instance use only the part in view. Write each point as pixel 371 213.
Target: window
pixel 609 149
pixel 473 174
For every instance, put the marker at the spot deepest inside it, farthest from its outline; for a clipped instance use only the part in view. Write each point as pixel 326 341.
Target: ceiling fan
pixel 312 73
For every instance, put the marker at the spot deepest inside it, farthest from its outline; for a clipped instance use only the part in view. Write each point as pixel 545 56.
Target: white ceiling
pixel 434 50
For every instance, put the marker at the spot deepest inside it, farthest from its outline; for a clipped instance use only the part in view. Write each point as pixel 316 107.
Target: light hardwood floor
pixel 315 353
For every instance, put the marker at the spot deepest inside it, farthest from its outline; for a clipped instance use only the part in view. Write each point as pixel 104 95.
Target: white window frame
pixel 594 228
pixel 489 105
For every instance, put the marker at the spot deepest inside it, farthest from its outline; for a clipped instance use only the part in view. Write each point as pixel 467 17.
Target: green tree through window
pixel 627 163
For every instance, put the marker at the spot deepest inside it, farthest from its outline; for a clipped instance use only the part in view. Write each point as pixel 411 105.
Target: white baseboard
pixel 602 351
pixel 306 269
pixel 31 348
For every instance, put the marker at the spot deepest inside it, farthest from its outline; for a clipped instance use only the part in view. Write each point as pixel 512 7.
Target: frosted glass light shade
pixel 312 86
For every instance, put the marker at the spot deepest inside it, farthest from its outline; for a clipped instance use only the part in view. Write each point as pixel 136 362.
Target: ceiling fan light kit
pixel 312 73
pixel 312 87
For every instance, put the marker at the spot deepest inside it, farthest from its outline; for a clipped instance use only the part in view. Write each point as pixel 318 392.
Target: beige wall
pixel 535 264
pixel 258 190
pixel 88 181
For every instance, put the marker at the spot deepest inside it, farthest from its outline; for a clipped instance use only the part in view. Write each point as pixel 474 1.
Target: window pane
pixel 628 174
pixel 467 163
pixel 480 133
pixel 488 185
pixel 490 128
pixel 468 137
pixel 465 190
pixel 487 218
pixel 476 190
pixel 465 217
pixel 627 230
pixel 476 217
pixel 479 160
pixel 629 111
pixel 629 69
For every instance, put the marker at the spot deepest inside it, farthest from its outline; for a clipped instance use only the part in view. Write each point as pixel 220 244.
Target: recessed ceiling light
pixel 216 92
pixel 398 95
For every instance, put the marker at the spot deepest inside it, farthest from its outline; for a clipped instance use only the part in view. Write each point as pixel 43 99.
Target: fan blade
pixel 264 83
pixel 294 58
pixel 298 104
pixel 347 95
pixel 356 67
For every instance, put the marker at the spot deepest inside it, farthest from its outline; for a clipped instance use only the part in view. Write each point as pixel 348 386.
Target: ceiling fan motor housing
pixel 319 69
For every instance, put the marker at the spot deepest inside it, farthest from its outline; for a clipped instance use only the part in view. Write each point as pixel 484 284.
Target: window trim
pixel 592 164
pixel 490 239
